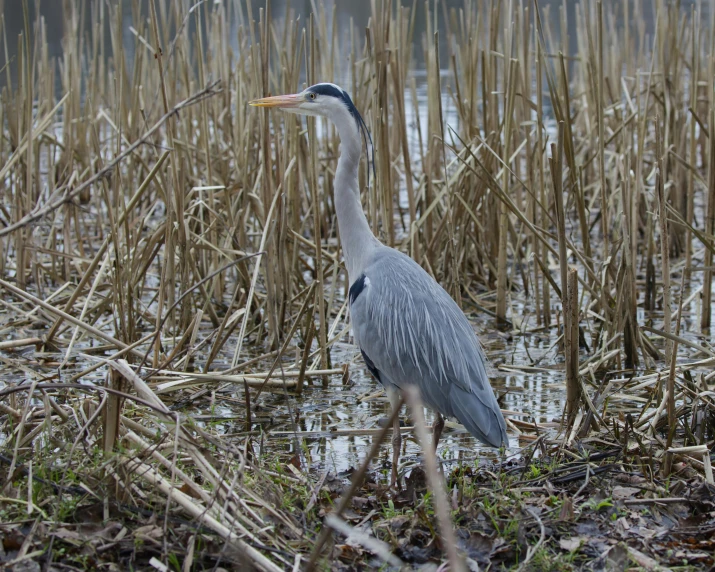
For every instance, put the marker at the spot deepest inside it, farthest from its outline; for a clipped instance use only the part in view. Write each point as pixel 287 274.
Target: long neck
pixel 355 235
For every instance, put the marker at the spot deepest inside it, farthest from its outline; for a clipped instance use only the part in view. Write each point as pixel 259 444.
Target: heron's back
pixel 412 332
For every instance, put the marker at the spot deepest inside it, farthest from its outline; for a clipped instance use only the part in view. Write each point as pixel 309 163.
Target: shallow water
pixel 336 424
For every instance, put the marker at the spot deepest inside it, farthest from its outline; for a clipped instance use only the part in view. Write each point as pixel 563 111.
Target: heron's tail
pixel 480 414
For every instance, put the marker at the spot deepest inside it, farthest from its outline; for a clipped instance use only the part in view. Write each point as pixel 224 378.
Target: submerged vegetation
pixel 171 280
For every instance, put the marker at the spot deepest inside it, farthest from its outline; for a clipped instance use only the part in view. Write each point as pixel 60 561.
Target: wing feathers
pixel 414 333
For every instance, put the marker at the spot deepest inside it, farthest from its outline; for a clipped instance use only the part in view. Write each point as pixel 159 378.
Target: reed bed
pixel 164 244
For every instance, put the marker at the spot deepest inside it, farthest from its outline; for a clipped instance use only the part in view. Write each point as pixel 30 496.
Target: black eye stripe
pixel 327 89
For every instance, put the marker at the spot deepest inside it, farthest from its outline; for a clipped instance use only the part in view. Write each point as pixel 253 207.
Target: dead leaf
pixel 360 502
pixel 571 544
pixel 295 461
pixel 148 532
pixel 566 512
pixel 479 547
pixel 12 541
pixel 622 525
pixel 622 493
pixel 70 536
pixel 643 560
pixel 187 490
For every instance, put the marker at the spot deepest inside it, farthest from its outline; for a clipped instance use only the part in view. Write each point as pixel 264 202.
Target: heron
pixel 408 328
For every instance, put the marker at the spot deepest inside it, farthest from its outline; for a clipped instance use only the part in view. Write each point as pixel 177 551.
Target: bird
pixel 408 328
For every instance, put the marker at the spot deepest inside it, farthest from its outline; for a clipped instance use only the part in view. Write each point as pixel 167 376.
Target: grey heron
pixel 408 328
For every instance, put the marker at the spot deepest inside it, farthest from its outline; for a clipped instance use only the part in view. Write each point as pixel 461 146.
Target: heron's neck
pixel 355 235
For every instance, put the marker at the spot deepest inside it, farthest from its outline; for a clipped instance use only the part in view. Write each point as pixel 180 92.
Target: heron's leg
pixel 437 429
pixel 396 440
pixel 396 446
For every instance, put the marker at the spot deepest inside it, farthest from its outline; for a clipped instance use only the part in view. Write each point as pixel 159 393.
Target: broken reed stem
pixel 672 419
pixel 706 312
pixel 556 164
pixel 510 92
pixel 571 311
pixel 112 411
pixel 664 236
pixel 355 482
pixel 91 329
pixel 436 482
pixel 569 284
pixel 600 102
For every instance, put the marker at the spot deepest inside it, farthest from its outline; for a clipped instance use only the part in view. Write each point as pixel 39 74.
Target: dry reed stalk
pixel 18 435
pixel 312 54
pixel 355 482
pixel 664 236
pixel 435 480
pixel 600 102
pixel 630 301
pixel 670 387
pixel 112 412
pixel 542 215
pixel 706 312
pixel 19 343
pixel 399 69
pixel 556 164
pixel 308 341
pixel 692 158
pixel 571 339
pixel 510 94
pixel 94 331
pixel 197 511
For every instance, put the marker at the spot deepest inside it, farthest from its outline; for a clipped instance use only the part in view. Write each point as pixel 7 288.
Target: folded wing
pixel 410 331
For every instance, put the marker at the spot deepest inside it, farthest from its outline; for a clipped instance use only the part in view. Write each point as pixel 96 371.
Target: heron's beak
pixel 280 101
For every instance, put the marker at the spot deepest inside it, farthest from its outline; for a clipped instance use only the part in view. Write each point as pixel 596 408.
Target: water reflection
pixel 336 425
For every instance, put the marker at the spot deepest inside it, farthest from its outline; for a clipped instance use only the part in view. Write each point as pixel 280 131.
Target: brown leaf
pixel 571 544
pixel 360 502
pixel 69 535
pixel 622 525
pixel 149 532
pixel 566 512
pixel 187 490
pixel 622 493
pixel 12 541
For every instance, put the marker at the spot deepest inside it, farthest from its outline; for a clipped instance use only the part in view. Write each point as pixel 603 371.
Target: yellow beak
pixel 280 101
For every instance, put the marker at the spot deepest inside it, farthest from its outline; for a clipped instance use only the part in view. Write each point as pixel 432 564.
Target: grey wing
pixel 410 331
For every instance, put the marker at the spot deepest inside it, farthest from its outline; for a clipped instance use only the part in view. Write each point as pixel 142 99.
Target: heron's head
pixel 321 100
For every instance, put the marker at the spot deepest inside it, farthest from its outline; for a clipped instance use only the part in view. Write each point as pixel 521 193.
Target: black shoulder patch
pixel 357 287
pixel 371 366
